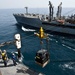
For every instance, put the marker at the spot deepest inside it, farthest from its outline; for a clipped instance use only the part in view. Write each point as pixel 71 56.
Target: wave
pixel 56 41
pixel 68 66
pixel 68 47
pixel 24 29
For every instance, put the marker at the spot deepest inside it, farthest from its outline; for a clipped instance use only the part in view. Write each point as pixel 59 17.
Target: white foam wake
pixel 68 66
pixel 68 47
pixel 24 29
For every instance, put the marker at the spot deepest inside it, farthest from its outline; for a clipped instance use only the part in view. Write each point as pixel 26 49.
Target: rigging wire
pixel 5 43
pixel 30 40
pixel 12 42
pixel 69 11
pixel 70 60
pixel 5 34
pixel 27 36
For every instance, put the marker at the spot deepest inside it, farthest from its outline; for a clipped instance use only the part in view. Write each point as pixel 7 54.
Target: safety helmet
pixel 12 53
pixel 4 51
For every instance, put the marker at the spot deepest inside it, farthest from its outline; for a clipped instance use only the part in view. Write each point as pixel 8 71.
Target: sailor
pixel 6 54
pixel 4 57
pixel 14 59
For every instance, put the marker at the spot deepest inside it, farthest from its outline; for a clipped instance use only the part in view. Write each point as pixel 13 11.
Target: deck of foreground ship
pixel 19 69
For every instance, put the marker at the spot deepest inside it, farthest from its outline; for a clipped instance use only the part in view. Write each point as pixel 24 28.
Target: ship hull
pixel 37 23
pixel 28 21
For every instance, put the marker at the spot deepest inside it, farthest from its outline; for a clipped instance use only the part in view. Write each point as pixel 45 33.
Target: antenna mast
pixel 51 9
pixel 59 11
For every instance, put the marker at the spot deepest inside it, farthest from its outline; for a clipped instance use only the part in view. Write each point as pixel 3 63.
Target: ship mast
pixel 51 8
pixel 59 11
pixel 26 10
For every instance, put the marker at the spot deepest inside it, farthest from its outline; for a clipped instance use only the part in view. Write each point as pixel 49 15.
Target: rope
pixel 12 42
pixel 5 34
pixel 52 61
pixel 69 60
pixel 30 40
pixel 70 11
pixel 6 43
pixel 27 36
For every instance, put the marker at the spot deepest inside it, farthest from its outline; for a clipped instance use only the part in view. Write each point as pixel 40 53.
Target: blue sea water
pixel 62 49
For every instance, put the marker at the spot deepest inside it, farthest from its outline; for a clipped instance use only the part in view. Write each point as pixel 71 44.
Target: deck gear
pixel 41 33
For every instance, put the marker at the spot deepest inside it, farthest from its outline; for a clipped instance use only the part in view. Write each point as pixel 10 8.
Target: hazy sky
pixel 4 4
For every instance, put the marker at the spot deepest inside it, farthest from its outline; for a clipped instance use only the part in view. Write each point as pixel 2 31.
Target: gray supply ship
pixel 50 23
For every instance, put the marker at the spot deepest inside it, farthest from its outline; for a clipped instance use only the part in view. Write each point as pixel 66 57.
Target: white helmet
pixel 12 53
pixel 4 51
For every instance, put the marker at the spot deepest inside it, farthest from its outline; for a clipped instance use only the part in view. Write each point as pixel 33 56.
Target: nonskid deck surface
pixel 19 69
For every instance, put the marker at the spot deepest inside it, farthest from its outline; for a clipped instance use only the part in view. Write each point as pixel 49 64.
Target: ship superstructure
pixel 48 22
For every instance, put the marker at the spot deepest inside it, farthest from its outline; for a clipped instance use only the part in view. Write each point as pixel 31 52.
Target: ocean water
pixel 61 49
